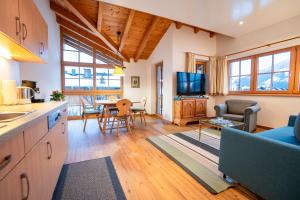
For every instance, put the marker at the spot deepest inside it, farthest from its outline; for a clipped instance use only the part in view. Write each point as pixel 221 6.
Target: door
pixel 188 108
pixel 200 109
pixel 10 20
pixel 159 86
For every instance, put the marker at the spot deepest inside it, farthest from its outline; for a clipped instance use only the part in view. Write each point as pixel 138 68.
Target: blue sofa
pixel 267 163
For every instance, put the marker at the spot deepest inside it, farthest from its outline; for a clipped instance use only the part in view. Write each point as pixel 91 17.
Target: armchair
pixel 239 110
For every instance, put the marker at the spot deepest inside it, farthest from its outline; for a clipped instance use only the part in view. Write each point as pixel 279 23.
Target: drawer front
pixel 34 133
pixel 11 152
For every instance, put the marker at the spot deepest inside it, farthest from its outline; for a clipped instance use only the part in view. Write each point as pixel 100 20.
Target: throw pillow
pixel 297 128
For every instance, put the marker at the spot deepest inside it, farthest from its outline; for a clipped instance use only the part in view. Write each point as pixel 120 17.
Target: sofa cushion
pixel 234 117
pixel 283 134
pixel 236 106
pixel 297 128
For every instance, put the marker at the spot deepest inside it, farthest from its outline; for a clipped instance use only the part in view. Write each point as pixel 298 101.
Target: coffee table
pixel 219 123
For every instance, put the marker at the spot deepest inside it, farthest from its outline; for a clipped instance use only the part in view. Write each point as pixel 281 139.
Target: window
pixel 273 72
pixel 87 73
pixel 276 72
pixel 240 75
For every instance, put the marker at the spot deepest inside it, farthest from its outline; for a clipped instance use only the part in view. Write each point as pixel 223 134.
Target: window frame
pixel 251 75
pixel 94 92
pixel 294 73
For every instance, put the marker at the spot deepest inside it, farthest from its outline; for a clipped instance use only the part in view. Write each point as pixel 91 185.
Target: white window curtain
pixel 191 62
pixel 218 76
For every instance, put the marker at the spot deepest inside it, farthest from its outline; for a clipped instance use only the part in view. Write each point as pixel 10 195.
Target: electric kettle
pixel 24 94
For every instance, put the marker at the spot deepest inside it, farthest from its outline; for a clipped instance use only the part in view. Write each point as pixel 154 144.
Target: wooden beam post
pixel 146 38
pixel 100 14
pixel 126 30
pixel 211 34
pixel 94 29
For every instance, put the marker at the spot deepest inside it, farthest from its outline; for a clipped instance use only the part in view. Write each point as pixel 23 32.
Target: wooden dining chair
pixel 123 114
pixel 141 110
pixel 89 112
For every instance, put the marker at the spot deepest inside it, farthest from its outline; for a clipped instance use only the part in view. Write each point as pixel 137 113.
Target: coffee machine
pixel 35 89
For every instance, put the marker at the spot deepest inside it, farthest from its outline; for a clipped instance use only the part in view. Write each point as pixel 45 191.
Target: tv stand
pixel 189 110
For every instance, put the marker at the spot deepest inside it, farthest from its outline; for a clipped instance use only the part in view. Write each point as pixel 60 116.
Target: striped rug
pixel 198 158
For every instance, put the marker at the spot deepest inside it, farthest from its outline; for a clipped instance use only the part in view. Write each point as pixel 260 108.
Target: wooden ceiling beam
pixel 211 34
pixel 178 25
pixel 146 37
pixel 126 29
pixel 93 28
pixel 81 31
pixel 85 37
pixel 100 16
pixel 196 30
pixel 65 13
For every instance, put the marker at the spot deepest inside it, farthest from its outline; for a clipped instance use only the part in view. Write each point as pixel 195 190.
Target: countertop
pixel 39 110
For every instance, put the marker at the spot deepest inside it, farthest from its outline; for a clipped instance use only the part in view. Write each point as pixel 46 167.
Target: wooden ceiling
pixel 120 32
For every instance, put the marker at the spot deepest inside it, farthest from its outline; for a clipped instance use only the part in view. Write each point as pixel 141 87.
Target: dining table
pixel 105 110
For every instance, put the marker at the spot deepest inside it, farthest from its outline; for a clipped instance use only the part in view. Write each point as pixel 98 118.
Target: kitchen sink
pixel 11 116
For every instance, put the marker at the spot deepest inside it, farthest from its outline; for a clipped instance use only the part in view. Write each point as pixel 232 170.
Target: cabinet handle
pixel 18 25
pixel 42 48
pixel 50 145
pixel 24 28
pixel 24 176
pixel 5 162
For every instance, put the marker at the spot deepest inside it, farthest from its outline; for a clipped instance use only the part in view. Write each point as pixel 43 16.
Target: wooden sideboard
pixel 189 110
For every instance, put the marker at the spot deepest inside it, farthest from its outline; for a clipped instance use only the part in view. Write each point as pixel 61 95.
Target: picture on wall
pixel 135 82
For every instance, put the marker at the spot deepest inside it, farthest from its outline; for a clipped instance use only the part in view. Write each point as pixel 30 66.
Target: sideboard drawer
pixel 11 152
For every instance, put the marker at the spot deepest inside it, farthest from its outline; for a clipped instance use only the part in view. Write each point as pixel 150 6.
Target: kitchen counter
pixel 38 110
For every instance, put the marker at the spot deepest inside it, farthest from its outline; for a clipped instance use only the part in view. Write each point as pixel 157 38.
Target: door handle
pixel 24 31
pixel 50 145
pixel 5 162
pixel 24 176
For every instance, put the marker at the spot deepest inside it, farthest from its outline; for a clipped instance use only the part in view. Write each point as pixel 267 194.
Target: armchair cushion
pixel 297 128
pixel 234 117
pixel 283 134
pixel 236 106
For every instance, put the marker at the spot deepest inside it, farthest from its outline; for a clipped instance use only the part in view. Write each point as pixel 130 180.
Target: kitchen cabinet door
pixel 29 29
pixel 42 39
pixel 10 21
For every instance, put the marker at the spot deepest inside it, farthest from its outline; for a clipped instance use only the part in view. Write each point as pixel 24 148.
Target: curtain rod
pixel 199 54
pixel 266 45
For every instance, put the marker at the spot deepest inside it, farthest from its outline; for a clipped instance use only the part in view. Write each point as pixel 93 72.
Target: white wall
pixel 275 110
pixel 135 69
pixel 171 51
pixel 47 75
pixel 9 70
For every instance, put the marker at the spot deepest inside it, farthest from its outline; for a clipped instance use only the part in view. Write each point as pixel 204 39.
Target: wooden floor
pixel 144 172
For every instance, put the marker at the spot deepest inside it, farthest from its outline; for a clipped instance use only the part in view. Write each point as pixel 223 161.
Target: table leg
pixel 105 117
pixel 200 129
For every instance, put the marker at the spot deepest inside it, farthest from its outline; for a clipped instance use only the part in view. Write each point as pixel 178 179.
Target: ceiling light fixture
pixel 241 22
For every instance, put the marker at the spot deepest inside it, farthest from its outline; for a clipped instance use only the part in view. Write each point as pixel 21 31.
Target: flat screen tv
pixel 190 84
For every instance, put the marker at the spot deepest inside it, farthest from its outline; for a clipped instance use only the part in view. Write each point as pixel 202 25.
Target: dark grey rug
pixel 89 180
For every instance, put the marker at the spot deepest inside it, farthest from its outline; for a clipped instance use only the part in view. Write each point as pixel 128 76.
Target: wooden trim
pixel 266 45
pixel 146 37
pixel 126 29
pixel 297 71
pixel 264 127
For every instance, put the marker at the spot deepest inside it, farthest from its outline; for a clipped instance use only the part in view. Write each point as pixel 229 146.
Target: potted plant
pixel 56 96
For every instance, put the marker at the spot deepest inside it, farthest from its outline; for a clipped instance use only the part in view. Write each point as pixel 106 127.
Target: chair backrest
pixel 124 107
pixel 237 106
pixel 112 97
pixel 144 101
pixel 85 103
